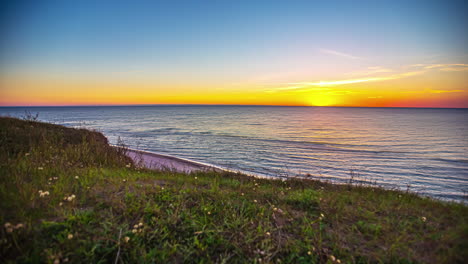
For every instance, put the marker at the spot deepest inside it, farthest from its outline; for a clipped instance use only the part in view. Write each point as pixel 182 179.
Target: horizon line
pixel 257 105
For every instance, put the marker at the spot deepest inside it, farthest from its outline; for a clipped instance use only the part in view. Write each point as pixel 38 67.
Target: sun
pixel 322 100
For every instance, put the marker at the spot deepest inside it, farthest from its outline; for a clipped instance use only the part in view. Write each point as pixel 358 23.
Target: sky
pixel 311 53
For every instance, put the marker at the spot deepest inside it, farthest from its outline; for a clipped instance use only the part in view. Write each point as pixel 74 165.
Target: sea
pixel 421 150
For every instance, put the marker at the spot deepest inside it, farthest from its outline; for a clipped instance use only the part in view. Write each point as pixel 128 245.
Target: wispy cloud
pixel 417 69
pixel 339 54
pixel 457 66
pixel 445 91
pixel 370 71
pixel 310 85
pixel 434 91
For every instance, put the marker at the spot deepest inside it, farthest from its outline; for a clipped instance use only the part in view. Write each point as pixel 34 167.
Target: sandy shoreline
pixel 157 161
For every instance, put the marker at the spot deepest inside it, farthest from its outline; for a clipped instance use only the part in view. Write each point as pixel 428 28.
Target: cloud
pixel 443 67
pixel 370 71
pixel 321 85
pixel 445 91
pixel 339 54
pixel 307 85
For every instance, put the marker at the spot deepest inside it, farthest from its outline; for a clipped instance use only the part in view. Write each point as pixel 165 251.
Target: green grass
pixel 201 217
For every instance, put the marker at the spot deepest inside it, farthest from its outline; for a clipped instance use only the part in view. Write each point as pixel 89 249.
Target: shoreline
pixel 157 161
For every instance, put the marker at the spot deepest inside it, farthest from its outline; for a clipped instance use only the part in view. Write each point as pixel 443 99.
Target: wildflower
pixel 338 261
pixel 196 178
pixel 268 233
pixel 40 168
pixel 140 224
pixel 309 253
pixel 134 231
pixel 332 258
pixel 135 226
pixel 209 212
pixel 128 165
pixel 124 180
pixel 423 219
pixel 60 204
pixel 55 178
pixel 18 226
pixel 69 198
pixel 7 225
pixel 275 209
pixel 27 154
pixel 43 194
pixel 76 177
pixel 70 236
pixel 255 201
pixel 50 179
pixel 126 239
pixel 242 194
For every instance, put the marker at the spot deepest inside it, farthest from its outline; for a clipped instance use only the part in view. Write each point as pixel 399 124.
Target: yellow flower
pixel 268 233
pixel 309 253
pixel 423 219
pixel 70 236
pixel 255 201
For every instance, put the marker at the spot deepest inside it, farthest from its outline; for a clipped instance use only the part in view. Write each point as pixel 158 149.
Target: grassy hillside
pixel 66 196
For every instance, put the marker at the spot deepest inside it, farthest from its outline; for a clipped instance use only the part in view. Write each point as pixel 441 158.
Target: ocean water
pixel 425 150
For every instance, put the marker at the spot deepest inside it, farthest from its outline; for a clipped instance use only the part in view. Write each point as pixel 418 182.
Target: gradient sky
pixel 343 53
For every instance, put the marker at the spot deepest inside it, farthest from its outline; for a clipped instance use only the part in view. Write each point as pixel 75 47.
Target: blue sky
pixel 227 41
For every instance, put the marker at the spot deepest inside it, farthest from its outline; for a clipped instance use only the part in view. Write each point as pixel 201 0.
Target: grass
pixel 67 196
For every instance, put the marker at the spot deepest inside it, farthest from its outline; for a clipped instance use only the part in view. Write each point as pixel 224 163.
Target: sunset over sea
pixel 213 131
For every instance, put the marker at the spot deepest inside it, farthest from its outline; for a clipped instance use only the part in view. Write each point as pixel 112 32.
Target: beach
pixel 155 161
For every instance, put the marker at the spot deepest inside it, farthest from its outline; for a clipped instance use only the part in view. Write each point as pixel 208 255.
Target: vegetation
pixel 67 196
